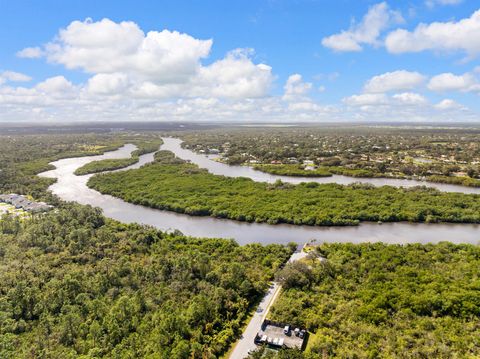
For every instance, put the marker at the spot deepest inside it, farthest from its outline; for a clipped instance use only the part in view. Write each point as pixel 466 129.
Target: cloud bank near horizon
pixel 168 75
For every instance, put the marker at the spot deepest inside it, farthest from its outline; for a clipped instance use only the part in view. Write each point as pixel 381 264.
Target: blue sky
pixel 288 36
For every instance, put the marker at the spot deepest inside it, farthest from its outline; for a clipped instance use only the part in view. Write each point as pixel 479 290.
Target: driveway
pixel 246 341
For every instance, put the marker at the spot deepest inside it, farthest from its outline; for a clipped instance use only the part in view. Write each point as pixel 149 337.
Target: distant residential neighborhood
pixel 22 202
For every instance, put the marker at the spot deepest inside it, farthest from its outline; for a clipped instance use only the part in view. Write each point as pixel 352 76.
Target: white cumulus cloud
pixel 410 98
pixel 30 53
pixel 56 84
pixel 366 99
pixel 107 84
pixel 394 81
pixel 448 104
pixel 449 36
pixel 12 76
pixel 164 75
pixel 158 64
pixel 295 87
pixel 378 18
pixel 235 76
pixel 405 106
pixel 450 82
pixel 109 47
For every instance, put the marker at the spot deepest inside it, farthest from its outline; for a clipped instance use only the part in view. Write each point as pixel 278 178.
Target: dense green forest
pixel 174 185
pixel 385 301
pixel 73 283
pixel 292 170
pixel 322 171
pixel 146 146
pixel 105 165
pixel 143 147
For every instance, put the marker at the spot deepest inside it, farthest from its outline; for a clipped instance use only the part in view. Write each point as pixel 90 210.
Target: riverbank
pixel 297 171
pixel 141 292
pixel 173 185
pixel 211 163
pixel 73 188
pixel 142 147
pixel 438 156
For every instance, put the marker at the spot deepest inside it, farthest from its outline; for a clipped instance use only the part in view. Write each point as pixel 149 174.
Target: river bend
pixel 70 187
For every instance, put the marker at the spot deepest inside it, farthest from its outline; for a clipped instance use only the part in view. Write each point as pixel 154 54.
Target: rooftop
pixel 273 334
pixel 24 203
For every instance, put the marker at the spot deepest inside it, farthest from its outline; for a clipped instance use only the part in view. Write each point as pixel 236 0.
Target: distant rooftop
pixel 20 201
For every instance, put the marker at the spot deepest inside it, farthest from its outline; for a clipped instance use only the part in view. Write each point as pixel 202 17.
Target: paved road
pixel 246 341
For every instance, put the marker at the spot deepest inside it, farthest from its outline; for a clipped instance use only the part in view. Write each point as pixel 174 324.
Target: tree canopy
pixel 75 284
pixel 175 185
pixel 385 301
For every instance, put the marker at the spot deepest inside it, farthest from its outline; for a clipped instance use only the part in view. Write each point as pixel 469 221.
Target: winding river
pixel 218 168
pixel 73 188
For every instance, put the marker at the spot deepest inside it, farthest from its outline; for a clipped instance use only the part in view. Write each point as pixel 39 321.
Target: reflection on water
pixel 218 168
pixel 73 188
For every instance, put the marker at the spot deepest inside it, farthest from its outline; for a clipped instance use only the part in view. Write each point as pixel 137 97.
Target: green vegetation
pixel 105 165
pixel 22 157
pixel 8 208
pixel 353 172
pixel 73 283
pixel 464 181
pixel 174 185
pixel 293 170
pixel 437 155
pixel 322 171
pixel 386 301
pixel 146 146
pixel 115 164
